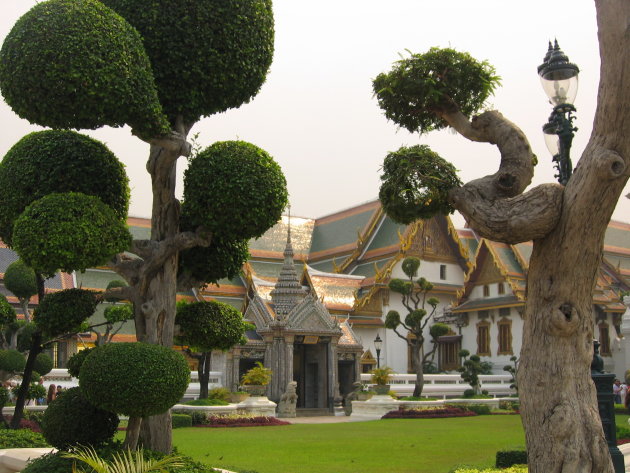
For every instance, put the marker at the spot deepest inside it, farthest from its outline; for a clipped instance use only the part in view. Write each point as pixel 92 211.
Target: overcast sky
pixel 316 114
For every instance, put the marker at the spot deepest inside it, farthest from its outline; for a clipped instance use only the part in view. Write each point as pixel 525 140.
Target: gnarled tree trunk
pixel 558 398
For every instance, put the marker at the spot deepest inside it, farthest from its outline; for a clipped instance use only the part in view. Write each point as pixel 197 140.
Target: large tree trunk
pixel 416 361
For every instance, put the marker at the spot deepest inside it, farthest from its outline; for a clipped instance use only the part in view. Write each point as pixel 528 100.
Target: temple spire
pixel 288 291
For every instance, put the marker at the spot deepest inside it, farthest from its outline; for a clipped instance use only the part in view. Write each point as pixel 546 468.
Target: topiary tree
pixel 134 379
pixel 207 326
pixel 414 298
pixel 64 311
pixel 115 316
pixel 566 223
pixel 76 361
pixel 20 280
pixel 471 369
pixel 12 362
pixel 8 323
pixel 204 57
pixel 70 420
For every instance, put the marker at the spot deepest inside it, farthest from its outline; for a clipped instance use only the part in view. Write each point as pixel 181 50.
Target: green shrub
pixel 21 438
pixel 207 402
pixel 35 416
pixel 43 364
pixel 623 432
pixel 68 64
pixel 479 409
pixel 4 397
pixel 181 420
pixel 49 463
pixel 509 405
pixel 222 394
pixel 12 361
pixel 64 311
pixel 228 169
pixel 71 420
pixel 134 379
pixel 45 235
pixel 198 417
pixel 76 361
pixel 56 161
pixel 507 458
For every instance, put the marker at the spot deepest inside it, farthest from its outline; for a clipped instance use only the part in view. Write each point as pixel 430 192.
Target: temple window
pixel 505 337
pixel 486 291
pixel 604 340
pixel 442 271
pixel 483 338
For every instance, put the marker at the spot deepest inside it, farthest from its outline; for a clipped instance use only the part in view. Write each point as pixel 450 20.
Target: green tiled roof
pixel 140 233
pixel 386 234
pixel 237 303
pixel 339 232
pixel 508 258
pixel 96 279
pixel 471 245
pixel 525 249
pixel 617 237
pixel 367 269
pixel 275 239
pixel 325 266
pixel 266 269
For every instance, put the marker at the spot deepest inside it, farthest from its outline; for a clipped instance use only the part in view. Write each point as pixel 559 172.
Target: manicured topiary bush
pixel 181 420
pixel 76 361
pixel 76 64
pixel 419 86
pixel 18 278
pixel 5 395
pixel 72 420
pixel 415 183
pixel 227 46
pixel 59 161
pixel 64 311
pixel 43 364
pixel 234 189
pixel 12 361
pixel 45 235
pixel 134 379
pixel 507 458
pixel 50 463
pixel 222 259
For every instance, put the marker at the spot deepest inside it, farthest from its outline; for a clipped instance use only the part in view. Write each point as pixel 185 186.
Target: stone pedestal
pixel 258 405
pixel 375 407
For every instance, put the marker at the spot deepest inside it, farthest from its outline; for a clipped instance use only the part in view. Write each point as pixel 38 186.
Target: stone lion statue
pixel 288 401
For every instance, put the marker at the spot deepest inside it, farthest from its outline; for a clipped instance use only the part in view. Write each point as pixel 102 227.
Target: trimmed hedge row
pixel 429 413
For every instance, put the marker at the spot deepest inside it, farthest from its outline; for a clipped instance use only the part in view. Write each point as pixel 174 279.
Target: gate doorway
pixel 310 372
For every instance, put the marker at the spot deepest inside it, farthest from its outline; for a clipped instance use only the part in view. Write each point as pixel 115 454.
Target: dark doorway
pixel 347 376
pixel 310 371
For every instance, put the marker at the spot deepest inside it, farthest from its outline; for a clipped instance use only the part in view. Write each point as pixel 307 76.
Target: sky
pixel 316 114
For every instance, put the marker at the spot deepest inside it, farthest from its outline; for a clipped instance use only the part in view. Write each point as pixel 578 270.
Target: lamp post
pixel 559 79
pixel 378 344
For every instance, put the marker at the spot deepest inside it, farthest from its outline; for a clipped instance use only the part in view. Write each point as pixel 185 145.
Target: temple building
pixel 317 292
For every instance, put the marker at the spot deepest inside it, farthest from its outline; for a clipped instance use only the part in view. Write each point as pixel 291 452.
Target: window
pixel 449 354
pixel 483 338
pixel 501 288
pixel 604 340
pixel 486 291
pixel 505 312
pixel 442 271
pixel 505 337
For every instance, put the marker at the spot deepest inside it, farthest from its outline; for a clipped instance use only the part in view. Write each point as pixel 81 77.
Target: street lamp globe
pixel 558 76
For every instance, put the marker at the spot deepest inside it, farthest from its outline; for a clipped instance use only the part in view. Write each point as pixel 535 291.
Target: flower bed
pixel 241 421
pixel 25 424
pixel 431 413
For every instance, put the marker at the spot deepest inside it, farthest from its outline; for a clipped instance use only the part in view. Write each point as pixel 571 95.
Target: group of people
pixel 53 392
pixel 620 391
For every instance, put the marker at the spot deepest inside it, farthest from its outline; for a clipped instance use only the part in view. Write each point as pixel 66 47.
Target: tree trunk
pixel 133 432
pixel 204 374
pixel 416 361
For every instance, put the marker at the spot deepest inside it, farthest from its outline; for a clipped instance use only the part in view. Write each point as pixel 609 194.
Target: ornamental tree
pixel 134 379
pixel 414 298
pixel 88 63
pixel 208 326
pixel 58 216
pixel 566 223
pixel 20 280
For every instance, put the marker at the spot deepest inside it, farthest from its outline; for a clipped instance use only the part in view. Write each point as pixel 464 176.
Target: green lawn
pixel 383 446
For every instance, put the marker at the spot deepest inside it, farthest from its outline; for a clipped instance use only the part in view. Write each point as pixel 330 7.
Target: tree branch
pixel 526 217
pixel 128 268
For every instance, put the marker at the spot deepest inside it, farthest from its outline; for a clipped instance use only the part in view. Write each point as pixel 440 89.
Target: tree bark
pixel 204 373
pixel 418 367
pixel 558 399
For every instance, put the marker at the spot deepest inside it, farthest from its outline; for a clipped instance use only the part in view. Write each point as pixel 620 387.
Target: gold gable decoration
pixel 381 277
pixel 431 243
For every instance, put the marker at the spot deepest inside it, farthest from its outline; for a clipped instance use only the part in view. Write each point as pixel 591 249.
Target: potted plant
pixel 255 380
pixel 238 396
pixel 380 378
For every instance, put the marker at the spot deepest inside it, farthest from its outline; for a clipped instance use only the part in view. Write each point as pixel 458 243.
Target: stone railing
pixel 447 385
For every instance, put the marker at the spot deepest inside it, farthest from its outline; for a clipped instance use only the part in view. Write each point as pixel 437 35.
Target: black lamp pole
pixel 559 78
pixel 378 344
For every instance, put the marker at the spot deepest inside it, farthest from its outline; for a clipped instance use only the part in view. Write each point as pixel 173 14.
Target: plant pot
pixel 363 396
pixel 254 390
pixel 381 389
pixel 235 398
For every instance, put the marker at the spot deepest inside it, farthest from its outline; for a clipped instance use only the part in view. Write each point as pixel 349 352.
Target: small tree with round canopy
pixel 207 326
pixel 20 280
pixel 566 223
pixel 414 298
pixel 134 379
